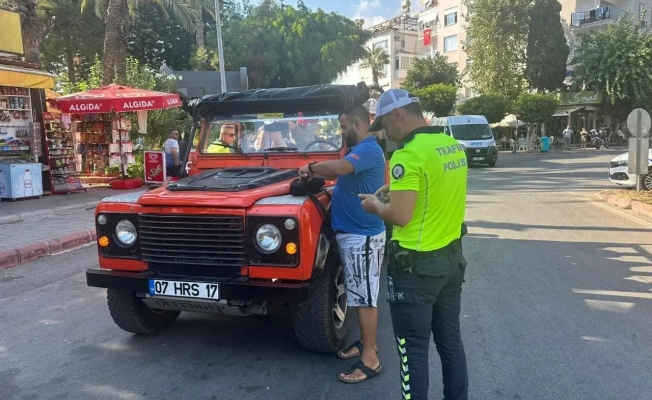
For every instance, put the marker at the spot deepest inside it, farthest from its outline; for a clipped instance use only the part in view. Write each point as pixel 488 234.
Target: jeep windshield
pixel 270 133
pixel 471 132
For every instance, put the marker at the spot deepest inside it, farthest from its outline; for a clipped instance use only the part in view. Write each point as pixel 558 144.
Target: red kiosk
pixel 117 100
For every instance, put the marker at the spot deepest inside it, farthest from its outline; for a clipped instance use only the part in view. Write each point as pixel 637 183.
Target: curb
pixel 11 258
pixel 629 204
pixel 9 219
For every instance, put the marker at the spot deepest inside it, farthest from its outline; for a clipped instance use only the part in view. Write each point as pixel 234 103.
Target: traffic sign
pixel 639 122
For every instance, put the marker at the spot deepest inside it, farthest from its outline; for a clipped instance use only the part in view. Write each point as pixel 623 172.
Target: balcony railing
pixel 602 13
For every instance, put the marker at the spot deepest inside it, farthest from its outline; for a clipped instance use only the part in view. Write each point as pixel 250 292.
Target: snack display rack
pixel 15 121
pixel 60 155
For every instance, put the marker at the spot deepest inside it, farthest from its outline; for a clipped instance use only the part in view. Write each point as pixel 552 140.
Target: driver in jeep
pixel 225 142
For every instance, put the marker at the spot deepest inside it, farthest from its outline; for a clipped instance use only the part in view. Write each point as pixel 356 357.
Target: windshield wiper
pixel 282 149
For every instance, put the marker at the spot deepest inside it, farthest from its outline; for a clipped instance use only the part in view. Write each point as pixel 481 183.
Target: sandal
pixel 358 345
pixel 368 372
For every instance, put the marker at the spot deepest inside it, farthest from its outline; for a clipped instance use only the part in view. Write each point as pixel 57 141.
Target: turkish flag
pixel 427 36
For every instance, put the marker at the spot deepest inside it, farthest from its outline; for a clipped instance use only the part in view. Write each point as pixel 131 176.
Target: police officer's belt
pixel 453 247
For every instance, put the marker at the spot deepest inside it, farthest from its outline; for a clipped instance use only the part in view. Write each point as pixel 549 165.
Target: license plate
pixel 197 290
pixel 478 158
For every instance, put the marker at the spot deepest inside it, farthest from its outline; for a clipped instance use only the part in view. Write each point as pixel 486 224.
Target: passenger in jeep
pixel 360 235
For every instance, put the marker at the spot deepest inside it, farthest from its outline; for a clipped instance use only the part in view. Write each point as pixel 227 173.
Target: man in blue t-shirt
pixel 360 235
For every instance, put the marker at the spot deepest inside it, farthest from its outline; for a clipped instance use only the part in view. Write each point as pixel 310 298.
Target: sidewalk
pixel 30 229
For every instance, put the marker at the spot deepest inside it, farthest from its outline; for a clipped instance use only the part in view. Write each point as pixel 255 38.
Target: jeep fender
pixel 325 244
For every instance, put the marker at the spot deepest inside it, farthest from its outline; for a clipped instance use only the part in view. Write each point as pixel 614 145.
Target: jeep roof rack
pixel 306 98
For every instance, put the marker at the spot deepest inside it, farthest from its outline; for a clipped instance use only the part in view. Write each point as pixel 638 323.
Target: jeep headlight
pixel 268 238
pixel 622 163
pixel 125 232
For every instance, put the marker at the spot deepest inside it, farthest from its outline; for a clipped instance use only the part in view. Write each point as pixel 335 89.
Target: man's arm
pixel 400 209
pixel 333 168
pixel 175 153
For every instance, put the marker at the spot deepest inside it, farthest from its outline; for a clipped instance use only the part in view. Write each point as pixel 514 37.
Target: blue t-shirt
pixel 347 214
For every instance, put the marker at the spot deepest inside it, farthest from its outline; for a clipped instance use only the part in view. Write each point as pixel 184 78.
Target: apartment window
pixel 383 45
pixel 397 61
pixel 450 43
pixel 642 14
pixel 405 62
pixel 450 18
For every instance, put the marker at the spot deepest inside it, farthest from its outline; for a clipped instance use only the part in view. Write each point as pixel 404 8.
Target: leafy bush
pixel 493 106
pixel 438 98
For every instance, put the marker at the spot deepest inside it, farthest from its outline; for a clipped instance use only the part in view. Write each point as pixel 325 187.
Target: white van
pixel 474 133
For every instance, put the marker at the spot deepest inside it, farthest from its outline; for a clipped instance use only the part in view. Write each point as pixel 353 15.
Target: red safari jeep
pixel 239 232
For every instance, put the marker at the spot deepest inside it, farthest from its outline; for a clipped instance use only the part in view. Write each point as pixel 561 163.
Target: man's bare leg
pixel 368 319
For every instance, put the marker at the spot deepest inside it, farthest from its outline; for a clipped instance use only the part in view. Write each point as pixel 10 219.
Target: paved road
pixel 557 305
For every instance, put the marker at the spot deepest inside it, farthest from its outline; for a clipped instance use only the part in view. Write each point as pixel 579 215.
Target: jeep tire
pixel 131 314
pixel 316 325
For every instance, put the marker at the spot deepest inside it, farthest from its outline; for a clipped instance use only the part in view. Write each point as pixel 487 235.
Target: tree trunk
pixel 374 76
pixel 33 32
pixel 114 62
pixel 70 63
pixel 199 25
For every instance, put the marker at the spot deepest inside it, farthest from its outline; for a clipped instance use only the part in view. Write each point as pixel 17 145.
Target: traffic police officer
pixel 425 201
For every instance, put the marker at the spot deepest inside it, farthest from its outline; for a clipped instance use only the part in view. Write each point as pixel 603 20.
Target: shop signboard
pixel 11 36
pixel 154 166
pixel 581 98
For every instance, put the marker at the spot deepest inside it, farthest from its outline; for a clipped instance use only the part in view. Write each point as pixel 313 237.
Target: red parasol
pixel 115 98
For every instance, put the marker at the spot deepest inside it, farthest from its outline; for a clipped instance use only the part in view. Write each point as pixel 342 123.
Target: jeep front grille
pixel 208 240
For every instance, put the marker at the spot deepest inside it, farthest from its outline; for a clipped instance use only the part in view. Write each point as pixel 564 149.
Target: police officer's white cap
pixel 388 102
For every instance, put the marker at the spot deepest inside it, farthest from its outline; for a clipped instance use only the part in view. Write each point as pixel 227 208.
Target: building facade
pixel 402 42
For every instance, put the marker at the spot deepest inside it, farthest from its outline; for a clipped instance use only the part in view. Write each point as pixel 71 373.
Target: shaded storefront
pixel 578 110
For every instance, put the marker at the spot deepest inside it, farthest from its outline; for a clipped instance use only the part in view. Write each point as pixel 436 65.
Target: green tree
pixel 72 41
pixel 284 46
pixel 375 60
pixel 438 98
pixel 116 15
pixel 547 49
pixel 155 39
pixel 493 106
pixel 430 71
pixel 617 61
pixel 536 110
pixel 496 44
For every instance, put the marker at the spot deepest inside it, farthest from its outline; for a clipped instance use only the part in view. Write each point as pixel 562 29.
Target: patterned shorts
pixel 362 257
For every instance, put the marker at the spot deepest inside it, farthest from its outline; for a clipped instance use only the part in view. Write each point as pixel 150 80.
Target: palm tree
pixel 116 14
pixel 375 59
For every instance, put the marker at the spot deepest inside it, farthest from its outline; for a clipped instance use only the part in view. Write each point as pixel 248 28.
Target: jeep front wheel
pixel 321 323
pixel 131 314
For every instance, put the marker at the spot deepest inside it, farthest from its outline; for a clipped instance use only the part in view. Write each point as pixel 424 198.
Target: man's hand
pixel 370 203
pixel 304 172
pixel 382 192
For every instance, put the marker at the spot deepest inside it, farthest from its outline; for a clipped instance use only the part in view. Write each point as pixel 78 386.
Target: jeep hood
pixel 228 187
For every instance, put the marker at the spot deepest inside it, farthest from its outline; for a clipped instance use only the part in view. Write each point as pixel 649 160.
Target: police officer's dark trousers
pixel 424 296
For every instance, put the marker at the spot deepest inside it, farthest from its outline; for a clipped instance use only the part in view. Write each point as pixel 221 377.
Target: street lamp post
pixel 220 47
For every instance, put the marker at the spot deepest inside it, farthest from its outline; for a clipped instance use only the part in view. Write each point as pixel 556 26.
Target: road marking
pixel 624 214
pixel 637 295
pixel 613 210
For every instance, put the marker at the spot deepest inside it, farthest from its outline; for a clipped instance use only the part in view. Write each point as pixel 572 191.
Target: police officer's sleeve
pixel 406 170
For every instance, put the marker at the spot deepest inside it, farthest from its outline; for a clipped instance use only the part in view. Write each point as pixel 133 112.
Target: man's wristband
pixel 310 166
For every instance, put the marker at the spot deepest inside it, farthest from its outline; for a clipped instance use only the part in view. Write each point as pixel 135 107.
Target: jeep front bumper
pixel 240 288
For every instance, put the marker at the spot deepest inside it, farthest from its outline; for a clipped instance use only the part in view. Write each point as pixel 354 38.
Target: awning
pixel 49 94
pixel 25 78
pixel 565 112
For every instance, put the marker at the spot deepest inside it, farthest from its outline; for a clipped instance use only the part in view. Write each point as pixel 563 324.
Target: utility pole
pixel 220 46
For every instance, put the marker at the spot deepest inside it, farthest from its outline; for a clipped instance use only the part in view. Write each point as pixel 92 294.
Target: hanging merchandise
pixel 15 122
pixel 113 101
pixel 60 155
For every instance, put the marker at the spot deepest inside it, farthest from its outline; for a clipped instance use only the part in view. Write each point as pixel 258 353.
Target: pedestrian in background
pixel 583 137
pixel 567 136
pixel 425 201
pixel 171 149
pixel 360 236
